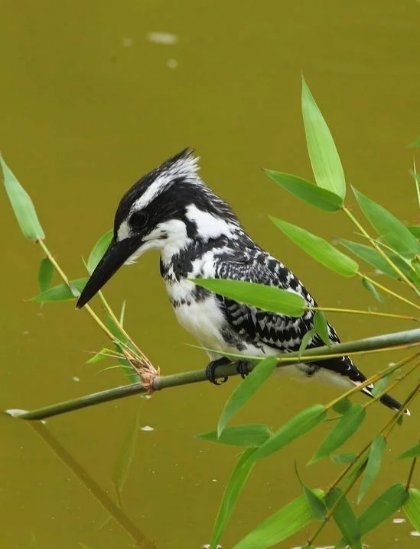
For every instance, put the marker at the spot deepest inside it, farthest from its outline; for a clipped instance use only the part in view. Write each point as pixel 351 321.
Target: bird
pixel 172 209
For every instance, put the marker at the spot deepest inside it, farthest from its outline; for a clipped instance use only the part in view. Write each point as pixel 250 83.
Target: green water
pixel 90 102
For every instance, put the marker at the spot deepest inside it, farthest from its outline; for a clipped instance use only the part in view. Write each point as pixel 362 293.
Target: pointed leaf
pixel 22 205
pixel 344 518
pixel 382 508
pixel 318 248
pixel 315 502
pixel 245 390
pixel 321 327
pixel 344 429
pixel 308 192
pixel 370 256
pixel 412 507
pixel 412 452
pixel 101 355
pixel 373 466
pixel 381 385
pixel 342 405
pixel 45 274
pixel 61 292
pixel 343 458
pixel 325 161
pixel 372 289
pixel 250 436
pixel 414 230
pixel 280 525
pixel 268 298
pixel 231 494
pixel 125 456
pixel 98 250
pixel 294 428
pixel 394 233
pixel 306 339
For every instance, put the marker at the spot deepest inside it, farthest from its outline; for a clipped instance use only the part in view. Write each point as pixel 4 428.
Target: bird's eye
pixel 138 220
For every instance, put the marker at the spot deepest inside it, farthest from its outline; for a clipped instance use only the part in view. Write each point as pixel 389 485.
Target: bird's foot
pixel 211 370
pixel 242 367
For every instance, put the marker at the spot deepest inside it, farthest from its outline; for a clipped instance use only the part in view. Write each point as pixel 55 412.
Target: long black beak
pixel 116 254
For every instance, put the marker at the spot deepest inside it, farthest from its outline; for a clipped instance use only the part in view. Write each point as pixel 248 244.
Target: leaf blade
pixel 250 436
pixel 318 248
pixel 22 205
pixel 323 154
pixel 268 298
pixel 61 292
pixel 383 507
pixel 245 390
pixel 306 191
pixel 99 250
pixel 294 428
pixel 373 466
pixel 412 507
pixel 389 227
pixel 347 425
pixel 45 274
pixel 231 494
pixel 280 525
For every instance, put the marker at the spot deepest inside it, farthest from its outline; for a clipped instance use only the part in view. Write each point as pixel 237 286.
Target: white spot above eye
pixel 208 225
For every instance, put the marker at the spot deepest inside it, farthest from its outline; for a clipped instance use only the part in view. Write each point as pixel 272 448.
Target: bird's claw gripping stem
pixel 211 370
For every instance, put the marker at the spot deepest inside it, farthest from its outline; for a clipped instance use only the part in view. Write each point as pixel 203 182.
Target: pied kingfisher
pixel 171 209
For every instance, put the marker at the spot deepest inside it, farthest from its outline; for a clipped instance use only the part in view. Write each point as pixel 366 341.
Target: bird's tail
pixel 386 399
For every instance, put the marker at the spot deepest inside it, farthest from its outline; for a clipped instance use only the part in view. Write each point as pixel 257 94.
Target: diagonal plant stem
pixel 379 249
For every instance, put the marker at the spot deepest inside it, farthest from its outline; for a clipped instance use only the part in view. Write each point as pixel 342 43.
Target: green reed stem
pixel 393 340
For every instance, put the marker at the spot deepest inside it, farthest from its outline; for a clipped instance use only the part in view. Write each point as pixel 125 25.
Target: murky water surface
pixel 92 96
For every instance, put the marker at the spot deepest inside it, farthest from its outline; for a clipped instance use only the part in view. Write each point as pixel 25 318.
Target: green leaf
pixel 45 274
pixel 315 502
pixel 344 518
pixel 22 205
pixel 322 151
pixel 101 355
pixel 414 230
pixel 373 466
pixel 372 289
pixel 321 327
pixel 381 385
pixel 125 456
pixel 348 424
pixel 294 428
pixel 412 507
pixel 98 250
pixel 231 494
pixel 415 143
pixel 268 298
pixel 343 458
pixel 342 405
pixel 61 292
pixel 250 436
pixel 318 248
pixel 306 339
pixel 245 390
pixel 412 452
pixel 382 508
pixel 370 256
pixel 308 192
pixel 280 525
pixel 394 233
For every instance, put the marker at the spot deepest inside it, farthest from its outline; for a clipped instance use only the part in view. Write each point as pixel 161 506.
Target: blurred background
pixel 95 94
